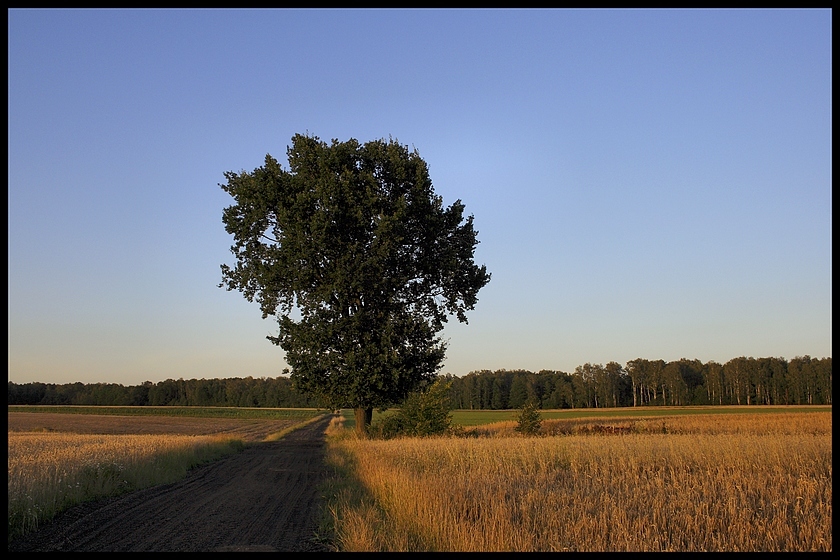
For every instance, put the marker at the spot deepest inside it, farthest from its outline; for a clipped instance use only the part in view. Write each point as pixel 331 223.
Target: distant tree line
pixel 244 392
pixel 640 382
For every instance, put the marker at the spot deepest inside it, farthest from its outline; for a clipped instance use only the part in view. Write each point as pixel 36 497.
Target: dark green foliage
pixel 518 392
pixel 239 392
pixel 424 413
pixel 529 421
pixel 773 381
pixel 768 381
pixel 360 262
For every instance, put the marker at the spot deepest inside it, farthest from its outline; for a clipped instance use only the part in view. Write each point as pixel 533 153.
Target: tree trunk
pixel 363 419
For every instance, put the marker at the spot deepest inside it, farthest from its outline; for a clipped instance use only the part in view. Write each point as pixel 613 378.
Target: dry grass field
pixel 57 460
pixel 247 429
pixel 700 482
pixel 746 482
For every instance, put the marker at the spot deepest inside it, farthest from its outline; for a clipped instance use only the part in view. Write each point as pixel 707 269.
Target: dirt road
pixel 265 498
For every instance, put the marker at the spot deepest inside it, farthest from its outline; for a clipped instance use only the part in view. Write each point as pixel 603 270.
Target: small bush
pixel 529 421
pixel 423 413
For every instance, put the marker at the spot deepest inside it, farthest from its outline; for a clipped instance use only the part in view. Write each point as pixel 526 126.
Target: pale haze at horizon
pixel 645 183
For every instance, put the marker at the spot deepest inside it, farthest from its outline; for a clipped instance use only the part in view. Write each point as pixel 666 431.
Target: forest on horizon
pixel 640 382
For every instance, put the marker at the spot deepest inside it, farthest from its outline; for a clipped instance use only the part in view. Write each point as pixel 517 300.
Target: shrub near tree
pixel 424 413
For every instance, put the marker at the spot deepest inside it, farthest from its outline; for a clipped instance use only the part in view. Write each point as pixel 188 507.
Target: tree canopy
pixel 360 262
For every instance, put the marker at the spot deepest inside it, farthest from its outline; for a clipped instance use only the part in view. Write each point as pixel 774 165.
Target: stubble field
pixel 677 480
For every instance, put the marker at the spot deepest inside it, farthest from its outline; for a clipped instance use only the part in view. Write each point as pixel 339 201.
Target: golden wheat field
pixel 49 471
pixel 757 482
pixel 57 460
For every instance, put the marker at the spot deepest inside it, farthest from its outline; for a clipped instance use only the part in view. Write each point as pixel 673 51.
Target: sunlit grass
pixel 50 471
pixel 777 423
pixel 703 483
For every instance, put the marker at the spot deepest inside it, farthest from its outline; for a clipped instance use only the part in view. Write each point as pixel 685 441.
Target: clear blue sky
pixel 646 183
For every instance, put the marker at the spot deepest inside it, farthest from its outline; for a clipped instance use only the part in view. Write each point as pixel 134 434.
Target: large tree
pixel 360 262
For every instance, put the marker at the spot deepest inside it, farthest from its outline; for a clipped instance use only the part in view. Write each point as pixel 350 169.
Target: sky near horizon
pixel 645 183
